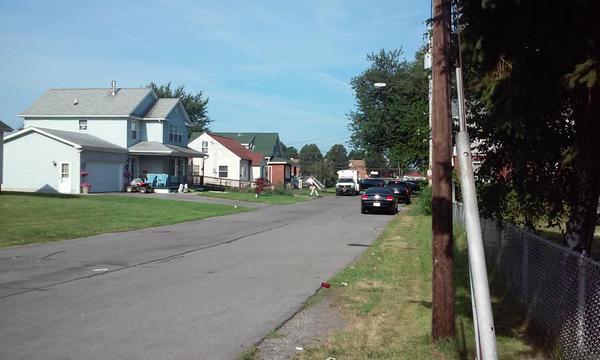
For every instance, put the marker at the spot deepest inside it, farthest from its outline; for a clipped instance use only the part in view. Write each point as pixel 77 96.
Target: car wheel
pixel 363 210
pixel 407 202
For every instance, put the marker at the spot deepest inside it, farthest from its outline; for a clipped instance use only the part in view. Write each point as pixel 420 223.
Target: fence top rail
pixel 545 241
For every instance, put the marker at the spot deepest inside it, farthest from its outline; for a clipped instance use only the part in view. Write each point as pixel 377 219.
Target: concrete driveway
pixel 199 290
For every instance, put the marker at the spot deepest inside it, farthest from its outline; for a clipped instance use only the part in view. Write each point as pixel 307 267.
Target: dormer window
pixel 134 130
pixel 82 125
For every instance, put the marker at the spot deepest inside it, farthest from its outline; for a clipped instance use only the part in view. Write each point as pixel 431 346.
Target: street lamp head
pixel 380 84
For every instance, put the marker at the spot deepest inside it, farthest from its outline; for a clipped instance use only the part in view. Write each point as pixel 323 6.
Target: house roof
pixel 162 108
pixel 357 164
pixel 4 127
pixel 77 140
pixel 263 142
pixel 278 160
pixel 238 149
pixel 157 148
pixel 91 102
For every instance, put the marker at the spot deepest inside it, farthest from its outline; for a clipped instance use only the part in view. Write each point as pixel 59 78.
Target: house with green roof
pixel 278 168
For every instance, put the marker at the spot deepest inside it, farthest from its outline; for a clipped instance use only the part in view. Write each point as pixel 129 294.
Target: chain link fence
pixel 558 289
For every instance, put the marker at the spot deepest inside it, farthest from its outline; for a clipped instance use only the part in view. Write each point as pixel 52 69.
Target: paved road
pixel 203 290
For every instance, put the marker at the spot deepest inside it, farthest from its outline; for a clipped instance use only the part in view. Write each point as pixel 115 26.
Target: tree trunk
pixel 582 217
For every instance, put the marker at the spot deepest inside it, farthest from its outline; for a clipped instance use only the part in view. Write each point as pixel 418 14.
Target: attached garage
pixel 45 160
pixel 104 176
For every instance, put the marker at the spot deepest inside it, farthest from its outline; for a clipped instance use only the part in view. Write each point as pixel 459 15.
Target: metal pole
pixel 481 292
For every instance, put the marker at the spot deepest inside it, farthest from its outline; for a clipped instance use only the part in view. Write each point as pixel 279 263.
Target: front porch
pixel 169 162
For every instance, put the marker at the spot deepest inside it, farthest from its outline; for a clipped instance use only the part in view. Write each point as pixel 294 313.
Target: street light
pixel 380 84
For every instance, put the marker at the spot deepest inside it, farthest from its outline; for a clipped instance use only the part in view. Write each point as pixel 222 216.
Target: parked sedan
pixel 369 183
pixel 379 199
pixel 401 190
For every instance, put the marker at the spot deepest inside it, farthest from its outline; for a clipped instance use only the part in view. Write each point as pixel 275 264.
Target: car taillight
pixel 364 197
pixel 389 198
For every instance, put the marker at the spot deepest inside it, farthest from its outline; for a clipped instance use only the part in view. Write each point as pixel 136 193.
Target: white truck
pixel 347 183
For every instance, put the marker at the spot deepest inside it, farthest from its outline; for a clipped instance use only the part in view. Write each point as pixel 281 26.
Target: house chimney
pixel 114 87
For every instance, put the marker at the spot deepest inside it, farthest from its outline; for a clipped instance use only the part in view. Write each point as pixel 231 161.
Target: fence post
pixel 524 268
pixel 581 302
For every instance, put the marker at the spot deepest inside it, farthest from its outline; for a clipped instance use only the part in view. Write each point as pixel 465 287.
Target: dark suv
pixel 401 190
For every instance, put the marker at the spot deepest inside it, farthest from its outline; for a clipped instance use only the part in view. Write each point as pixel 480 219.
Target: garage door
pixel 103 176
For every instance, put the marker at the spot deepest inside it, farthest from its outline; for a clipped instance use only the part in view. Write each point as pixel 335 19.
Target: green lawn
pixel 266 197
pixel 387 302
pixel 38 218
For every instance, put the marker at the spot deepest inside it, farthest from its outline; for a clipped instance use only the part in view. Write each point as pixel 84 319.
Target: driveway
pixel 205 289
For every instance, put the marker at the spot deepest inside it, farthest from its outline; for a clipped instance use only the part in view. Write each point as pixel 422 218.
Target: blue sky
pixel 268 66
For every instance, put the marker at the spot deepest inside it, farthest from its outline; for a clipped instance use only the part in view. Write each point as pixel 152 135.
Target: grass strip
pixel 250 197
pixel 28 218
pixel 386 296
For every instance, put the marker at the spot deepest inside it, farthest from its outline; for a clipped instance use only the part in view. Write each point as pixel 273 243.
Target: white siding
pixel 218 155
pixel 29 163
pixel 111 130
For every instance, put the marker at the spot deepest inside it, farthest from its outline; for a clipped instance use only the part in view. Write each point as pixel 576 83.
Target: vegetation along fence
pixel 559 289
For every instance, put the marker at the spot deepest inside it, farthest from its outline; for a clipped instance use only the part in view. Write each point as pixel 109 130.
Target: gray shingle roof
pixel 4 127
pixel 162 108
pixel 156 148
pixel 89 102
pixel 85 141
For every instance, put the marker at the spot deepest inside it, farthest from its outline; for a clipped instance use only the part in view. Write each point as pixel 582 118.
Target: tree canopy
pixel 196 105
pixel 532 72
pixel 392 120
pixel 337 157
pixel 290 152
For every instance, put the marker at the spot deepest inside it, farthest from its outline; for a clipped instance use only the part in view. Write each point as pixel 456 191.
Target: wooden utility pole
pixel 442 325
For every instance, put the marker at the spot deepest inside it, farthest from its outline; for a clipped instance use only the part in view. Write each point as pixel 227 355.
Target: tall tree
pixel 196 105
pixel 356 154
pixel 533 75
pixel 291 152
pixel 337 157
pixel 392 120
pixel 310 157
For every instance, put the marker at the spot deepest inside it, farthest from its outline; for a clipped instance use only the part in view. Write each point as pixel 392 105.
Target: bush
pixel 282 190
pixel 425 201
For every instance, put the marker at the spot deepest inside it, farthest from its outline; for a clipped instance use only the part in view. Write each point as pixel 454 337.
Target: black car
pixel 401 190
pixel 414 186
pixel 369 183
pixel 379 199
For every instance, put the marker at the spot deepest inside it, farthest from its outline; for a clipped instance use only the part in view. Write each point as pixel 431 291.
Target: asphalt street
pixel 205 289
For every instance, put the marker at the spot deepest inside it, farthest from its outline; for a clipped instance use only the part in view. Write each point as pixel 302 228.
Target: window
pixel 179 134
pixel 64 171
pixel 222 171
pixel 175 134
pixel 196 170
pixel 134 130
pixel 243 171
pixel 82 125
pixel 205 147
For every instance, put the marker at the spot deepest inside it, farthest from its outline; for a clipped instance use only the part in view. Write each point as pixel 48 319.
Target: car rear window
pixel 378 190
pixel 399 185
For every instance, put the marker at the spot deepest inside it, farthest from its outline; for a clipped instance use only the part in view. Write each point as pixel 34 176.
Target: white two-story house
pixel 97 138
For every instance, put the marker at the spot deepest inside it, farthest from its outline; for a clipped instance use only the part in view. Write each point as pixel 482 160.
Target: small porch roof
pixel 160 149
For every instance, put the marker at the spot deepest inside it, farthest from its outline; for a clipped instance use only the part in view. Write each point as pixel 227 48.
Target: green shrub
pixel 282 190
pixel 425 201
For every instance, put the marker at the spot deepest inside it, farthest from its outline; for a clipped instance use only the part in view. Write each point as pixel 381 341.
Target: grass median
pixel 36 218
pixel 269 198
pixel 386 298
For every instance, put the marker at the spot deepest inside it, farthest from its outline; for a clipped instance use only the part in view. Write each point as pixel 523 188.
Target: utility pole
pixel 442 325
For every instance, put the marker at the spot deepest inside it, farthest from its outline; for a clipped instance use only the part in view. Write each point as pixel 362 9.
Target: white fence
pixel 558 289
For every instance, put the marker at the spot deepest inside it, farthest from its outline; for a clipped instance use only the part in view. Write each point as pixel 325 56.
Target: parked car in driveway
pixel 369 183
pixel 401 190
pixel 378 199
